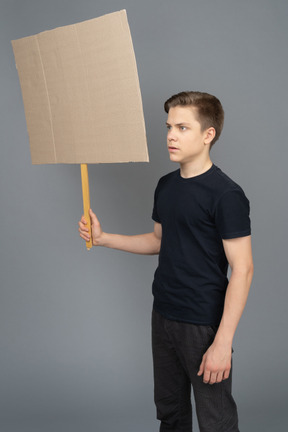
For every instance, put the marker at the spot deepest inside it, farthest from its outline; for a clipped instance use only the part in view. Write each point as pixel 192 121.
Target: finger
pixel 83 220
pixel 226 374
pixel 85 236
pixel 82 227
pixel 219 378
pixel 213 378
pixel 201 368
pixel 206 377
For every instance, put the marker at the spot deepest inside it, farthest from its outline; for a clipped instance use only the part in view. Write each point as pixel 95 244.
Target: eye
pixel 183 128
pixel 168 127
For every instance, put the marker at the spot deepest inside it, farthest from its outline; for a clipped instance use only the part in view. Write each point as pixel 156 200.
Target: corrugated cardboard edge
pixel 125 23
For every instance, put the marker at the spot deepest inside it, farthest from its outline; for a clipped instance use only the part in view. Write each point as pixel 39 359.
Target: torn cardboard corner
pixel 81 93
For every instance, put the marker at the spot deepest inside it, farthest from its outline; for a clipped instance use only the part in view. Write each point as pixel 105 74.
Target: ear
pixel 209 135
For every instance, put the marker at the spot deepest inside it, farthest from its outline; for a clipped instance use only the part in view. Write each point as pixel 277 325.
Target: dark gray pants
pixel 177 353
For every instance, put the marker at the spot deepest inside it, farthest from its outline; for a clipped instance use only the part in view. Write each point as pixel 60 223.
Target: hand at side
pixel 216 363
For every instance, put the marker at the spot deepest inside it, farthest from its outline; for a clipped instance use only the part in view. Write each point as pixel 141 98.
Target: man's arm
pixel 146 244
pixel 216 362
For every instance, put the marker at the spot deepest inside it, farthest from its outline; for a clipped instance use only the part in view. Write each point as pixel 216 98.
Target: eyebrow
pixel 178 124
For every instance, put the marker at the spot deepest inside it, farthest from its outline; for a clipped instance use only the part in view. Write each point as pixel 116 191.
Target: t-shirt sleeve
pixel 155 215
pixel 232 215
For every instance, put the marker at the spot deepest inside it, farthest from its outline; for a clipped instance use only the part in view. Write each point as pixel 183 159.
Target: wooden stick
pixel 86 201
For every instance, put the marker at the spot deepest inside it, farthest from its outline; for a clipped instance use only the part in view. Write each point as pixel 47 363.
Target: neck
pixel 193 169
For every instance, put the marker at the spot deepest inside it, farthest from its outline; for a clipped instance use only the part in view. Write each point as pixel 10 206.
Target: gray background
pixel 75 325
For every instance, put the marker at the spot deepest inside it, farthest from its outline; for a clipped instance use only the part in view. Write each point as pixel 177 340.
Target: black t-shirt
pixel 196 214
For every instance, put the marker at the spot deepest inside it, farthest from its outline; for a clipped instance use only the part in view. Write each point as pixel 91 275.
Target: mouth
pixel 171 148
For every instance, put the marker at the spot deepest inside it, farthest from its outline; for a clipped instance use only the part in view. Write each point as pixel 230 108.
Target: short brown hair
pixel 209 109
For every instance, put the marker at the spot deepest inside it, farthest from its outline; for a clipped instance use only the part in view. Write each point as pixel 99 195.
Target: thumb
pixel 201 368
pixel 94 218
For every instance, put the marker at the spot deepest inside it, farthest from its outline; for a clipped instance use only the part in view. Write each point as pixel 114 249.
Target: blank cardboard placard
pixel 81 93
pixel 82 97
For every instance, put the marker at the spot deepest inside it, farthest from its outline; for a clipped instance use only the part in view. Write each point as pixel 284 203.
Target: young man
pixel 201 225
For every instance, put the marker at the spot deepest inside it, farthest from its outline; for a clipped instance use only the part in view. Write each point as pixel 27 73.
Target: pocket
pixel 212 330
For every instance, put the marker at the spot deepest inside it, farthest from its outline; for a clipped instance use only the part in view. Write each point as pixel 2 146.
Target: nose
pixel 171 135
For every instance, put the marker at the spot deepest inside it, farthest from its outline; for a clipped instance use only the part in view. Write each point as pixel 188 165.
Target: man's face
pixel 185 140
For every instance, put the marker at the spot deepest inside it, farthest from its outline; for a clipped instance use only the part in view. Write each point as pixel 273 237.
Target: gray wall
pixel 75 325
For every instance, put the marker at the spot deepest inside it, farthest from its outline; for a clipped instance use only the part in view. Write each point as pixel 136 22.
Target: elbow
pixel 251 272
pixel 155 244
pixel 244 271
pixel 250 269
pixel 157 247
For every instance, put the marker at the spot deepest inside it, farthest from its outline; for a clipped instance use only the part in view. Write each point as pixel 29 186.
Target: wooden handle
pixel 86 201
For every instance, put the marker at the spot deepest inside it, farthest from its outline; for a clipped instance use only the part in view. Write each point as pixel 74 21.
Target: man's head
pixel 207 108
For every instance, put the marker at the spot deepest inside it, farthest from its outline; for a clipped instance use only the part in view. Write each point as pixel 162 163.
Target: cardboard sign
pixel 81 93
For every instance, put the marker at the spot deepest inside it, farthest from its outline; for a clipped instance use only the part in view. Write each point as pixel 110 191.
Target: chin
pixel 174 158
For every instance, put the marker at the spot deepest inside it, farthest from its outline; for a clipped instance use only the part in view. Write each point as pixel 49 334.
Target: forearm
pixel 235 301
pixel 216 362
pixel 145 244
